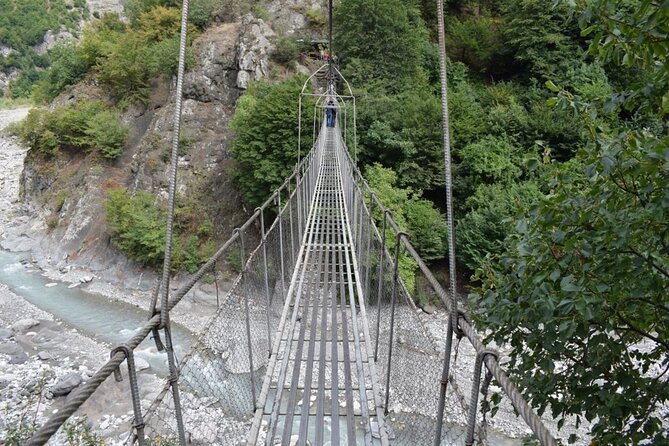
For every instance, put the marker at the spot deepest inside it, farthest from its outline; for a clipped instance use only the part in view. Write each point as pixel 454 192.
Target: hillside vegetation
pixel 23 24
pixel 561 153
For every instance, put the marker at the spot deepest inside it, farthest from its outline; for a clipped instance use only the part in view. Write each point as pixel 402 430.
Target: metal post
pixel 444 378
pixel 355 135
pixel 289 203
pixel 299 131
pixel 174 383
pixel 368 262
pixel 248 319
pixel 361 208
pixel 382 261
pixel 138 422
pixel 473 403
pixel 264 263
pixel 283 273
pixel 398 249
pixel 298 194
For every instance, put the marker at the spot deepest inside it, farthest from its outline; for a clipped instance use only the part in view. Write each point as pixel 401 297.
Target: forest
pixel 561 169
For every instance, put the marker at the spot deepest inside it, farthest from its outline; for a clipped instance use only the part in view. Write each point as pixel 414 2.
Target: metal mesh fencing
pixel 423 400
pixel 221 377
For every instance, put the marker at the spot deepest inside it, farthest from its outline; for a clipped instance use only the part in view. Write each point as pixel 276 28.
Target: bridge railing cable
pixel 410 345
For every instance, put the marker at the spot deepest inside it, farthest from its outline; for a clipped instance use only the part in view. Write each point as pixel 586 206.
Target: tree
pixel 425 225
pixel 541 36
pixel 490 216
pixel 403 132
pixel 387 35
pixel 266 136
pixel 579 294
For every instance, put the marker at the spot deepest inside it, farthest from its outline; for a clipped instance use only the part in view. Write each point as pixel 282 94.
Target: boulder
pixel 5 333
pixel 66 384
pixel 44 355
pixel 24 325
pixel 18 358
pixel 141 364
pixel 11 348
pixel 5 380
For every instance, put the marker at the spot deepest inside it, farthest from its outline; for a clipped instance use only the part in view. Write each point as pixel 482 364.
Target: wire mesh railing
pixel 440 383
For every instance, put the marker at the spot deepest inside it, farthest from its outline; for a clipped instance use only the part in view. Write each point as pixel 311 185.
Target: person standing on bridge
pixel 330 113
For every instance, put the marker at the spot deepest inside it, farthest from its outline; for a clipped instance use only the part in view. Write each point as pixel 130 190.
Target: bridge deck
pixel 320 386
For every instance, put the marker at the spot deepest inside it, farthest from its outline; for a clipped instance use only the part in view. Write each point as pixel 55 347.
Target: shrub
pixel 124 69
pixel 201 11
pixel 106 134
pixel 315 18
pixel 491 160
pixel 422 221
pixel 136 225
pixel 67 68
pixel 87 126
pixel 34 132
pixel 474 41
pixel 261 13
pixel 265 144
pixel 158 23
pixel 287 50
pixel 163 57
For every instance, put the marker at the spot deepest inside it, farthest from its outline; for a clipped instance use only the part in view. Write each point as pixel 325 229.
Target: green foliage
pixel 78 432
pixel 265 143
pixel 490 160
pixel 380 40
pixel 23 24
pixel 136 225
pixel 425 225
pixel 579 292
pixel 105 134
pixel 474 41
pixel 316 19
pixel 86 126
pixel 163 57
pixel 67 68
pixel 490 217
pixel 403 132
pixel 124 69
pixel 541 37
pixel 632 35
pixel 287 50
pixel 124 58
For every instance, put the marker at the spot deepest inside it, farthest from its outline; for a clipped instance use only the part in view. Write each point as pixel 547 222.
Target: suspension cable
pixel 167 261
pixel 447 156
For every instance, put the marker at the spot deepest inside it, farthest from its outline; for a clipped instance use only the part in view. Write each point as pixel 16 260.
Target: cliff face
pixel 65 196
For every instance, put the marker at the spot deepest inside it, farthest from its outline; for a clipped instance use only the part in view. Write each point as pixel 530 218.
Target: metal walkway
pixel 321 384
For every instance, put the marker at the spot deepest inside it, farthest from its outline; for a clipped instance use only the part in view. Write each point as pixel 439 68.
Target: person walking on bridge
pixel 330 113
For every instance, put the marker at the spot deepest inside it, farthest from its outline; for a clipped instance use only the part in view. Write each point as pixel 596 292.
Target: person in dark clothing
pixel 330 113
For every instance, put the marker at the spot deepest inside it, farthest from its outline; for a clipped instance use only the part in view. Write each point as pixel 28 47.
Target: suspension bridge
pixel 319 340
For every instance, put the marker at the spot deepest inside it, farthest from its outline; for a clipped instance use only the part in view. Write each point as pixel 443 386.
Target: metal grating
pixel 321 385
